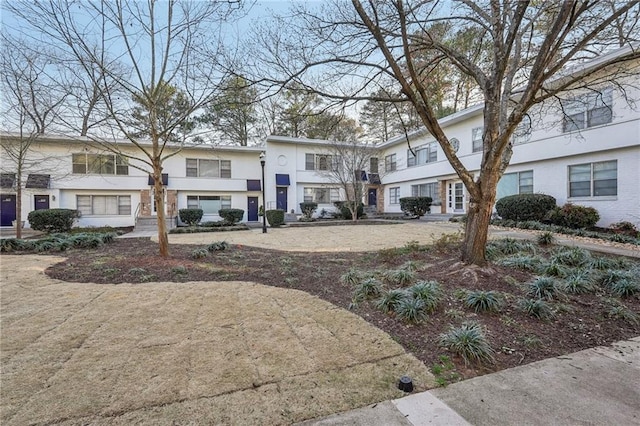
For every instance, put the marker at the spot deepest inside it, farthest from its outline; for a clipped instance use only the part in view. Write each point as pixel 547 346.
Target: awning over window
pixel 165 180
pixel 38 181
pixel 7 180
pixel 282 180
pixel 253 185
pixel 374 179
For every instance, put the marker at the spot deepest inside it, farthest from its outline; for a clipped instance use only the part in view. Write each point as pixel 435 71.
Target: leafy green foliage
pixel 351 277
pixel 57 242
pixel 199 253
pixel 573 216
pixel 366 289
pixel 190 216
pixel 411 309
pixel 416 206
pixel 536 307
pixel 469 342
pixel 345 213
pixel 621 312
pixel 571 256
pixel 625 287
pixel 578 282
pixel 484 301
pixel 400 277
pixel 179 270
pixel 525 206
pixel 554 269
pixel 546 238
pixel 218 246
pixel 53 220
pixel 231 216
pixel 308 208
pixel 275 217
pixel 510 246
pixel 390 300
pixel 429 292
pixel 520 261
pixel 543 288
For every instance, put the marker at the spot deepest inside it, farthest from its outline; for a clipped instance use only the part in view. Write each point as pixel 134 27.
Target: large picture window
pixel 425 154
pixel 99 164
pixel 321 195
pixel 104 205
pixel 515 183
pixel 199 167
pixel 210 204
pixel 427 190
pixel 594 179
pixel 321 162
pixel 592 109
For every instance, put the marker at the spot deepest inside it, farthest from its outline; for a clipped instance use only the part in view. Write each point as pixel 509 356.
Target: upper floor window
pixel 373 165
pixel 423 155
pixel 99 164
pixel 394 195
pixel 522 134
pixel 476 139
pixel 592 109
pixel 515 183
pixel 199 167
pixel 104 205
pixel 427 190
pixel 593 179
pixel 390 163
pixel 321 162
pixel 321 195
pixel 7 180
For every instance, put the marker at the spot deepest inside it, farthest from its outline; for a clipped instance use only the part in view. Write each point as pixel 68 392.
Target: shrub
pixel 218 246
pixel 525 206
pixel 571 256
pixel 578 282
pixel 469 342
pixel 415 206
pixel 345 213
pixel 536 308
pixel 543 288
pixel 190 216
pixel 308 209
pixel 366 289
pixel 275 217
pixel 625 228
pixel 625 287
pixel 427 291
pixel 573 216
pixel 231 215
pixel 179 270
pixel 411 310
pixel 199 253
pixel 400 277
pixel 390 300
pixel 484 301
pixel 53 220
pixel 546 238
pixel 351 277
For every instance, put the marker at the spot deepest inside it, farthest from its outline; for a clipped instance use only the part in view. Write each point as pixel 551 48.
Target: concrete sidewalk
pixel 592 387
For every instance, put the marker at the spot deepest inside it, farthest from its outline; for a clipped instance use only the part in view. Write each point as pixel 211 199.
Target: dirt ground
pixel 183 353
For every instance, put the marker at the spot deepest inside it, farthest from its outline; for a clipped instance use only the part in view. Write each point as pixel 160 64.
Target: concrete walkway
pixel 599 386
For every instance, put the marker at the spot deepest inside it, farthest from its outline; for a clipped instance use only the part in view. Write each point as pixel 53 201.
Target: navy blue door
pixel 7 209
pixel 41 202
pixel 252 209
pixel 373 197
pixel 281 199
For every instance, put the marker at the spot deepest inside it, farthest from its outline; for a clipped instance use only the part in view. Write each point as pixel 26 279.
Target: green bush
pixel 190 216
pixel 231 215
pixel 469 342
pixel 199 253
pixel 275 217
pixel 53 220
pixel 308 209
pixel 483 301
pixel 415 206
pixel 345 213
pixel 525 206
pixel 573 216
pixel 218 246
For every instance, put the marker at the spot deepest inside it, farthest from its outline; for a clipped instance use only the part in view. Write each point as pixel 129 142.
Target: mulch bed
pixel 515 337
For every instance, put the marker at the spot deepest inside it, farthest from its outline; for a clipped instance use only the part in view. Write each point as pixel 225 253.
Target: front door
pixel 281 198
pixel 7 209
pixel 41 202
pixel 373 196
pixel 252 209
pixel 455 197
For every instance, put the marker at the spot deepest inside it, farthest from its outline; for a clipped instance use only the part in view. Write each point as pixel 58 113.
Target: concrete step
pixel 151 223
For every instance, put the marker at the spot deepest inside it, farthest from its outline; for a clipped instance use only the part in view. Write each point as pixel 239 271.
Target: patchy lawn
pixel 578 321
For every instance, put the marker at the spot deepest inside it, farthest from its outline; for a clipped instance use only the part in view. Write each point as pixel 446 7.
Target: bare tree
pixel 344 49
pixel 155 45
pixel 32 102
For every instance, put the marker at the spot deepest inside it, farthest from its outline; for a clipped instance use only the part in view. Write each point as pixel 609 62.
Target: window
pixel 373 165
pixel 427 190
pixel 515 183
pixel 394 195
pixel 390 163
pixel 592 109
pixel 522 134
pixel 198 167
pixel 476 139
pixel 210 204
pixel 102 205
pixel 321 195
pixel 424 154
pixel 7 180
pixel 309 162
pixel 101 164
pixel 594 179
pixel 322 162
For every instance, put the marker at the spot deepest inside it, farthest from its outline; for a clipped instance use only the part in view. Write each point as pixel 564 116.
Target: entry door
pixel 373 196
pixel 41 202
pixel 252 209
pixel 7 209
pixel 455 197
pixel 281 198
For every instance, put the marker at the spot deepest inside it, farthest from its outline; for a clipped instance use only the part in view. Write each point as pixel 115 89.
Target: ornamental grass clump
pixel 578 282
pixel 546 238
pixel 199 253
pixel 411 310
pixel 483 301
pixel 521 261
pixel 352 277
pixel 389 301
pixel 543 288
pixel 469 342
pixel 218 246
pixel 536 307
pixel 366 289
pixel 571 256
pixel 401 277
pixel 429 292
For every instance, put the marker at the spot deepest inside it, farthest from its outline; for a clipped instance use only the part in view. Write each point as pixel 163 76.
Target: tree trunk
pixel 19 206
pixel 476 231
pixel 158 198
